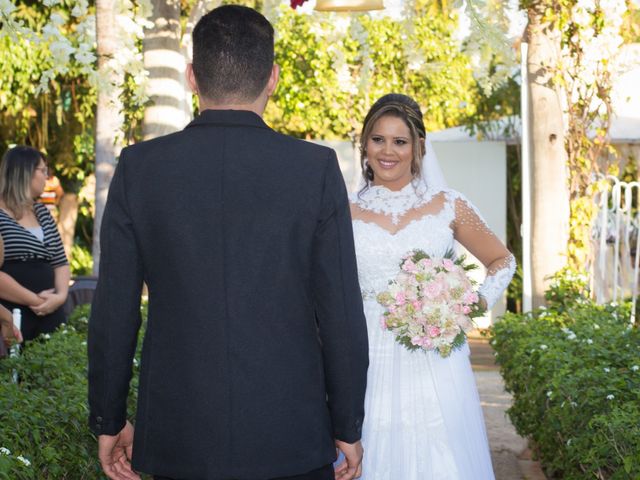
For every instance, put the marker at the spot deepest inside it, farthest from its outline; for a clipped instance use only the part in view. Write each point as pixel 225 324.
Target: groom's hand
pixel 114 452
pixel 351 467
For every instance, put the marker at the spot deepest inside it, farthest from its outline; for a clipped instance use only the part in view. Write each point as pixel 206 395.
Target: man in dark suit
pixel 255 355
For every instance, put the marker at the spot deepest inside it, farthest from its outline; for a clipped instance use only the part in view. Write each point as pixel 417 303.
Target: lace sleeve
pixel 472 232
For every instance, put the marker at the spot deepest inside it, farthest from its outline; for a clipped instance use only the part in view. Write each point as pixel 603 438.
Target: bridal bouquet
pixel 430 303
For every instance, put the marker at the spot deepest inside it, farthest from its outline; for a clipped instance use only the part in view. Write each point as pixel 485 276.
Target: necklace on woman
pixel 379 199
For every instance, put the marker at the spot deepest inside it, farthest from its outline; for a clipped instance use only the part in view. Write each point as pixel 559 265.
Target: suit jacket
pixel 255 353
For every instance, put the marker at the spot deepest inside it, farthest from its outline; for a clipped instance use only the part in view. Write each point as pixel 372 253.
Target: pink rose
pixel 417 340
pixel 417 304
pixel 433 331
pixel 448 264
pixel 433 289
pixel 425 263
pixel 470 298
pixel 466 310
pixel 400 298
pixel 409 266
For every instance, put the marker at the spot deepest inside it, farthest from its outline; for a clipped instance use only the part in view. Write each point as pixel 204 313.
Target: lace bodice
pixel 388 224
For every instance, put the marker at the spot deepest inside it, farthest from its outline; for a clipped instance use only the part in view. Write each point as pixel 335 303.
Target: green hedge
pixel 43 418
pixel 574 372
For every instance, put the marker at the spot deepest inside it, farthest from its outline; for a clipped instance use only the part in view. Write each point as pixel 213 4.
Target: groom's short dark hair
pixel 232 54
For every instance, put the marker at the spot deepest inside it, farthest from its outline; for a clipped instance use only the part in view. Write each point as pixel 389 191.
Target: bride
pixel 423 416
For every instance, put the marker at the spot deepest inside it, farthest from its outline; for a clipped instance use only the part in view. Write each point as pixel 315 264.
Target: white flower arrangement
pixel 77 46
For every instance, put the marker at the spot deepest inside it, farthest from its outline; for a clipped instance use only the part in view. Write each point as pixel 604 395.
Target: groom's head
pixel 232 55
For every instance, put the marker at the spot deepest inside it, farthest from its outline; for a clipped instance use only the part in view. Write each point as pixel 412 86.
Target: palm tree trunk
pixel 170 108
pixel 109 118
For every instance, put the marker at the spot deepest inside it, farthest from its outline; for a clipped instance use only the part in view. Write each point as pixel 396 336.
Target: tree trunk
pixel 550 202
pixel 197 11
pixel 170 110
pixel 109 119
pixel 67 216
pixel 186 45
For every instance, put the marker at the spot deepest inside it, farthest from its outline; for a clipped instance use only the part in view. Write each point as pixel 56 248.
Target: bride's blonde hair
pixel 408 110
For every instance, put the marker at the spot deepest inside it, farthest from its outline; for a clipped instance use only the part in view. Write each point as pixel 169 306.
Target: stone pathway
pixel 509 452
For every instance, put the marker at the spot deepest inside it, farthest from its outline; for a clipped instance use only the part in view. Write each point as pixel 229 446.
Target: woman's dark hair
pixel 233 54
pixel 405 108
pixel 16 171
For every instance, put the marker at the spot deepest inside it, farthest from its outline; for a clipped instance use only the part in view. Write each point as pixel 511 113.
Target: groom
pixel 255 354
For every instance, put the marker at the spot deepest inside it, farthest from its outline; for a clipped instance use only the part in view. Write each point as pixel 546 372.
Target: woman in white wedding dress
pixel 423 418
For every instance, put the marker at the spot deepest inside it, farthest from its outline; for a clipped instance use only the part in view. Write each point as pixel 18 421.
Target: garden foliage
pixel 44 430
pixel 574 371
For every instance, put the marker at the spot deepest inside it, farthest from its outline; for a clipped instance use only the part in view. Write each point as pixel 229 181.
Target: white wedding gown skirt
pixel 423 419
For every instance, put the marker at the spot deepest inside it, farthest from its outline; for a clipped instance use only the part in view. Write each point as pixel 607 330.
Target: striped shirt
pixel 20 244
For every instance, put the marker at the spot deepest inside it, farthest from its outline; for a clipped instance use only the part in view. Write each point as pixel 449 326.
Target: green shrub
pixel 574 371
pixel 567 289
pixel 80 260
pixel 79 318
pixel 13 465
pixel 43 418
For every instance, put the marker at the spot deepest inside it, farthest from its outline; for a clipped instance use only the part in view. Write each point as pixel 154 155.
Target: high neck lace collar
pixel 395 203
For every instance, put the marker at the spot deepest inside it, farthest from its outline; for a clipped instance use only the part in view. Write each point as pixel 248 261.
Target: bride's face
pixel 390 152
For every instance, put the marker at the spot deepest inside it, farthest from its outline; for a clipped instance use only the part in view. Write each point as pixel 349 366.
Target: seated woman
pixel 35 275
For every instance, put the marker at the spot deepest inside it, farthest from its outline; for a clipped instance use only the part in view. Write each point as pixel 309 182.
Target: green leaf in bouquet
pixel 419 255
pixel 406 342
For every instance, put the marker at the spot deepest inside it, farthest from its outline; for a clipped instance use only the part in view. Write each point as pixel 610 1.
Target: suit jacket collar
pixel 240 118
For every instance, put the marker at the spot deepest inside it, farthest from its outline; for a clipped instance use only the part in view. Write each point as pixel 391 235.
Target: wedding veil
pixel 432 175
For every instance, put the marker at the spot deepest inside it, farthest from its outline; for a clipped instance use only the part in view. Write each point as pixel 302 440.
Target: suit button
pixel 99 419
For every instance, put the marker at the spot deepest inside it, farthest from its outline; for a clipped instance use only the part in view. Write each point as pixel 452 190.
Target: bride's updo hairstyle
pixel 405 108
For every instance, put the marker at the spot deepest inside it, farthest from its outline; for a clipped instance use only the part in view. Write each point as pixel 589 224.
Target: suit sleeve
pixel 115 312
pixel 338 304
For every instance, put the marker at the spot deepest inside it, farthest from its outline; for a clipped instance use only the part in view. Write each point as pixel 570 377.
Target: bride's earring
pixel 368 171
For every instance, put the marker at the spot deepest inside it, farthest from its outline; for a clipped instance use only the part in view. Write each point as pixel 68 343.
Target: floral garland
pixel 486 40
pixel 76 47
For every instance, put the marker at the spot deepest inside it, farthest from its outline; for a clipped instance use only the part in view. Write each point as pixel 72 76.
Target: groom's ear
pixel 191 78
pixel 272 83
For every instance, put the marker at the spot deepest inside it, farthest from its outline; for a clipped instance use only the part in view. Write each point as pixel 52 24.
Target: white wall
pixel 348 157
pixel 479 171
